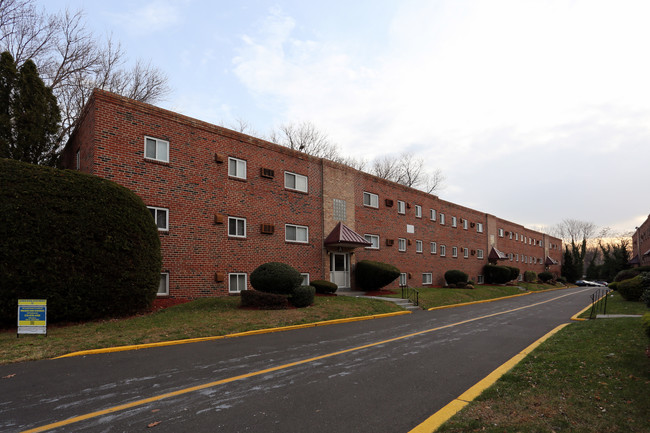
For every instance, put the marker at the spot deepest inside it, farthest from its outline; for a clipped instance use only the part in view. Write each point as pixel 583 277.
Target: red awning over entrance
pixel 344 237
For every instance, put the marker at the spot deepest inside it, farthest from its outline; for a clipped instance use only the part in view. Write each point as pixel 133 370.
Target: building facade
pixel 225 202
pixel 641 244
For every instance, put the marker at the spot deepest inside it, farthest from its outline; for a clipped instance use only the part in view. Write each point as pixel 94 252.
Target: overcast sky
pixel 535 111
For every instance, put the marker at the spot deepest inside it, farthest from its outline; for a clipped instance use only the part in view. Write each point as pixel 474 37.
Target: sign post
pixel 32 316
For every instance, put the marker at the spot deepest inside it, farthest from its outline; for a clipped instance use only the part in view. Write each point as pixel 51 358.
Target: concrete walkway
pixel 404 303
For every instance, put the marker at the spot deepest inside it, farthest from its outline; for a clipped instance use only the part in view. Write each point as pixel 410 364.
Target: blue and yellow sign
pixel 32 316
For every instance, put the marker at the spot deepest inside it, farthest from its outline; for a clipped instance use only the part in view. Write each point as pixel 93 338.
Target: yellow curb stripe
pixel 581 319
pixel 238 334
pixel 442 307
pixel 432 423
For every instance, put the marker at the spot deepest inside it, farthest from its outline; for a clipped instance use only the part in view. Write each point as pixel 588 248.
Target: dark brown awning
pixel 647 253
pixel 634 261
pixel 550 261
pixel 497 255
pixel 344 237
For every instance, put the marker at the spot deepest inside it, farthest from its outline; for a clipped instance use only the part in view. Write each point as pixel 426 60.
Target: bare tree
pixel 572 230
pixel 410 171
pixel 72 60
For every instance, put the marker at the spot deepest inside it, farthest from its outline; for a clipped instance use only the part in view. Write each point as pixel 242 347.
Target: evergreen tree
pixel 568 267
pixel 29 114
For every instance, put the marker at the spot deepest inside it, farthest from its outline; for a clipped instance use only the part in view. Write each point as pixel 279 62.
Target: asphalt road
pixel 383 375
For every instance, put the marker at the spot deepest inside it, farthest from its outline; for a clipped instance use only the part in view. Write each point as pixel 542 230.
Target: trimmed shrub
pixel 275 277
pixel 631 289
pixel 646 323
pixel 514 272
pixel 645 297
pixel 561 280
pixel 86 244
pixel 456 277
pixel 324 287
pixel 626 274
pixel 497 274
pixel 263 300
pixel 303 296
pixel 530 276
pixel 371 275
pixel 613 285
pixel 545 276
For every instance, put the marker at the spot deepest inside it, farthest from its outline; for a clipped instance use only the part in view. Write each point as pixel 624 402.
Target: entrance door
pixel 340 269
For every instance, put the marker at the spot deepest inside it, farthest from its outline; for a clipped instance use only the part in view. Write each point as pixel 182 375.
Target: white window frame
pixel 305 278
pixel 401 207
pixel 500 233
pixel 454 251
pixel 403 279
pixel 158 145
pixel 286 233
pixel 479 254
pixel 427 278
pixel 239 169
pixel 479 227
pixel 239 285
pixel 517 257
pixel 401 244
pixel 300 182
pixel 465 224
pixel 443 251
pixel 155 217
pixel 434 248
pixel 480 279
pixel 418 211
pixel 164 283
pixel 236 234
pixel 432 215
pixel 372 200
pixel 510 235
pixel 454 221
pixel 374 240
pixel 466 253
pixel 442 219
pixel 418 246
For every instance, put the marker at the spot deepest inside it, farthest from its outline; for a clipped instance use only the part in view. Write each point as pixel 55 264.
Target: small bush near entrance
pixel 498 274
pixel 545 276
pixel 87 245
pixel 456 278
pixel 275 277
pixel 514 272
pixel 632 289
pixel 324 287
pixel 263 300
pixel 303 296
pixel 371 275
pixel 530 276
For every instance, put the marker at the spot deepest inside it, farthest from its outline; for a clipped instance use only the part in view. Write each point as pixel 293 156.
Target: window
pixel 237 227
pixel 443 251
pixel 371 200
pixel 466 252
pixel 480 279
pixel 510 256
pixel 237 168
pixel 295 181
pixel 163 286
pixel 374 240
pixel 500 233
pixel 236 283
pixel 433 215
pixel 454 251
pixel 516 236
pixel 427 278
pixel 156 149
pixel 479 227
pixel 434 248
pixel 160 216
pixel 305 279
pixel 401 244
pixel 479 254
pixel 418 211
pixel 418 246
pixel 517 257
pixel 465 224
pixel 510 234
pixel 442 219
pixel 454 221
pixel 403 279
pixel 78 159
pixel 401 207
pixel 339 209
pixel 295 233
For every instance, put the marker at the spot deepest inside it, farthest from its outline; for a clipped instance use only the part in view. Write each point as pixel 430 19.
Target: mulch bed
pixel 161 303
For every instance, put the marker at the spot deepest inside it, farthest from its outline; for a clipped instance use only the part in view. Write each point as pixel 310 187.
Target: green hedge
pixel 545 276
pixel 324 287
pixel 495 274
pixel 646 323
pixel 632 289
pixel 454 277
pixel 530 276
pixel 275 277
pixel 303 296
pixel 371 275
pixel 514 272
pixel 263 300
pixel 626 274
pixel 86 244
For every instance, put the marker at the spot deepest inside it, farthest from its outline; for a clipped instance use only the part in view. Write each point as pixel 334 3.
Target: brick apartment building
pixel 226 202
pixel 641 244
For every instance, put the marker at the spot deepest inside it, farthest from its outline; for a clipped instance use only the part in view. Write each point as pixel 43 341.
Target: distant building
pixel 641 245
pixel 226 202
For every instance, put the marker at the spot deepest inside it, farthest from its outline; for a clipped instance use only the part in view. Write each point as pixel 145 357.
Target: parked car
pixel 590 283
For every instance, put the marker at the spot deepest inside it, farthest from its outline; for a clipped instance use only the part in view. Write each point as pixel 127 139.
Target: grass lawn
pixel 592 376
pixel 617 305
pixel 201 318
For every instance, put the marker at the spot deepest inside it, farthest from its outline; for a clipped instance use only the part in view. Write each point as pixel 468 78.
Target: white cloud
pixel 152 17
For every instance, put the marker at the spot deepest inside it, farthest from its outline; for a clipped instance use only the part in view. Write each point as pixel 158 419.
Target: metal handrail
pixel 411 294
pixel 598 302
